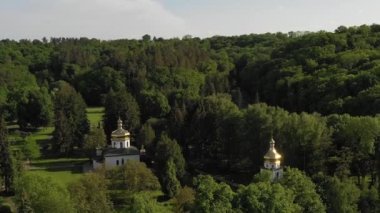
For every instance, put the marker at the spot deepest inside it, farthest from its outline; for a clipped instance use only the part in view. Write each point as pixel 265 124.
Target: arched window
pixel 122 161
pixel 117 162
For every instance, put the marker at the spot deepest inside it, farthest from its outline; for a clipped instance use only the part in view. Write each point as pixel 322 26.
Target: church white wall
pixel 119 144
pixel 96 165
pixel 111 162
pixel 272 165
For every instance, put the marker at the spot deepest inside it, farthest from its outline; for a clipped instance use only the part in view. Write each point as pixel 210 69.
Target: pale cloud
pixel 112 19
pixel 260 16
pixel 105 19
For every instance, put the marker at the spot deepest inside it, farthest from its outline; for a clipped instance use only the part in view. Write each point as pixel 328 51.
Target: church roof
pixel 272 152
pixel 120 132
pixel 110 152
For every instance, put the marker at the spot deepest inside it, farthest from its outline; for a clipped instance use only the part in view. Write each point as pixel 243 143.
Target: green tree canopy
pixel 121 104
pixel 95 139
pixel 133 176
pixel 44 195
pixel 6 162
pixel 339 195
pixel 266 197
pixel 304 190
pixel 89 194
pixel 171 185
pixel 31 149
pixel 36 110
pixel 153 104
pixel 212 196
pixel 71 122
pixel 146 137
pixel 169 149
pixel 184 200
pixel 142 203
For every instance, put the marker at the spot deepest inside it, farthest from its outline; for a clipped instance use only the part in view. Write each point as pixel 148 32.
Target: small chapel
pixel 272 161
pixel 118 152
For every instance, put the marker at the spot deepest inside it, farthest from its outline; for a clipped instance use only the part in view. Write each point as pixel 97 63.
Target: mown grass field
pixel 61 170
pixel 63 178
pixel 95 115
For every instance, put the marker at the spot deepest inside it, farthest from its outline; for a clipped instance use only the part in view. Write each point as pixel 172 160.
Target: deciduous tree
pixel 212 196
pixel 44 195
pixel 265 197
pixel 89 194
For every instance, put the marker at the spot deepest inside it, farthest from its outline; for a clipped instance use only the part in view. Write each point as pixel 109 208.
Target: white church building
pixel 118 152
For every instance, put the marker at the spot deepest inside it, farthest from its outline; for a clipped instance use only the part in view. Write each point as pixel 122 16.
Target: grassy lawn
pixel 61 170
pixel 58 162
pixel 95 115
pixel 43 136
pixel 63 178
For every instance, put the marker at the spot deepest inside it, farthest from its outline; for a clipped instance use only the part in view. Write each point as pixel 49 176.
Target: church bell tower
pixel 120 138
pixel 272 161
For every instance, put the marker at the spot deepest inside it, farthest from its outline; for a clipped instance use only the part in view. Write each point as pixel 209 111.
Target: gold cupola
pixel 120 132
pixel 272 154
pixel 272 161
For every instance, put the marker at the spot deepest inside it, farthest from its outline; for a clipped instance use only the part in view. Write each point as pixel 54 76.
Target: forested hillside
pixel 314 72
pixel 220 99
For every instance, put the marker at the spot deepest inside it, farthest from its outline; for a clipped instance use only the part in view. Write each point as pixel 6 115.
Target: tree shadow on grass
pixel 163 198
pixel 73 170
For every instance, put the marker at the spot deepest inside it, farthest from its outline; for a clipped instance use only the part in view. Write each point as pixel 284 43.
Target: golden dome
pixel 120 132
pixel 272 153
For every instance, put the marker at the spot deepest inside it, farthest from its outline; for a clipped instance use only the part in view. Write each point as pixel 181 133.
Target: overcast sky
pixel 113 19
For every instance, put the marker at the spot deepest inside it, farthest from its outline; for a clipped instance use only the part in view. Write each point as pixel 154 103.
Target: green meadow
pixel 61 170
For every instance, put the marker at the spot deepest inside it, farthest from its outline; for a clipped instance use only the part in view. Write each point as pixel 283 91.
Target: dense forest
pixel 210 106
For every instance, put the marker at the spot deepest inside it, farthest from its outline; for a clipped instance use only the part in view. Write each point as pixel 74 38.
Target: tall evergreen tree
pixel 146 137
pixel 6 168
pixel 121 104
pixel 170 181
pixel 169 149
pixel 71 122
pixel 95 139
